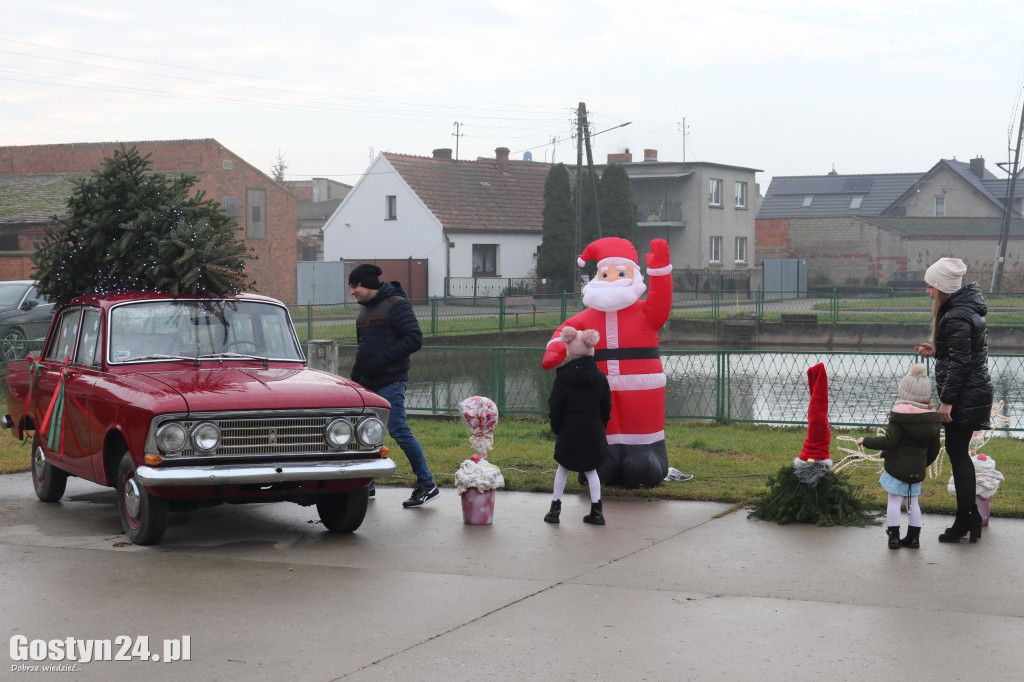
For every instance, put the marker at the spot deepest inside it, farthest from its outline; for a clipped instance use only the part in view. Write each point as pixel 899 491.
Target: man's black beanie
pixel 365 275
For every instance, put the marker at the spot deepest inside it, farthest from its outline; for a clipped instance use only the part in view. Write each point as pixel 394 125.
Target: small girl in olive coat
pixel 909 445
pixel 579 407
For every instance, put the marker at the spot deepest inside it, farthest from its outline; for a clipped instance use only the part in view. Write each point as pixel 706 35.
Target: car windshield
pixel 11 293
pixel 215 328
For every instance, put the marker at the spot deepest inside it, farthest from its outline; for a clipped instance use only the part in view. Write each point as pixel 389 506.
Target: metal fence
pixel 766 387
pixel 481 314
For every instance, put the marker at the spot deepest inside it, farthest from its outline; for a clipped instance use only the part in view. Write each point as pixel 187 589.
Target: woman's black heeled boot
pixel 962 527
pixel 894 536
pixel 596 515
pixel 554 512
pixel 913 537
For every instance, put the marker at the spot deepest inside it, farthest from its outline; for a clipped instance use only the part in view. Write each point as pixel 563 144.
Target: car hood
pixel 217 389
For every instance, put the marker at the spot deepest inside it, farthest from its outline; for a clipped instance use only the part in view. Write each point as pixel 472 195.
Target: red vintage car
pixel 181 401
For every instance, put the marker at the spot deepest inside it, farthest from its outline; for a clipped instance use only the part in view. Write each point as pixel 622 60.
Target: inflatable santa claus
pixel 627 354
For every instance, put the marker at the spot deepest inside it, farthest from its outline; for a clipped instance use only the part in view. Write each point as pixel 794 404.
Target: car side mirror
pixel 29 304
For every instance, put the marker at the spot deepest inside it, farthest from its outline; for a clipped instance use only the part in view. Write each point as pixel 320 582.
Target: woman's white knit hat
pixel 946 274
pixel 916 387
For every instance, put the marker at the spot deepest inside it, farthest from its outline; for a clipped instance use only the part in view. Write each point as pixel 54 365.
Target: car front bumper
pixel 263 473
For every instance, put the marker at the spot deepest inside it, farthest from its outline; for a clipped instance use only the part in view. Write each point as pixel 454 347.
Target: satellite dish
pixel 527 156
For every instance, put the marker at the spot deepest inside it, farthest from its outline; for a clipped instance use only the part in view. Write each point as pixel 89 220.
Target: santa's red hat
pixel 612 249
pixel 819 436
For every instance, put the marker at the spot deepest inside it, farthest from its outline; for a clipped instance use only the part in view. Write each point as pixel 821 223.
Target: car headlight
pixel 171 437
pixel 338 433
pixel 205 436
pixel 370 431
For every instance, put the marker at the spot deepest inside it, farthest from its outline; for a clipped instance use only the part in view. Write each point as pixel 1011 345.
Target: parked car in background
pixel 186 401
pixel 24 314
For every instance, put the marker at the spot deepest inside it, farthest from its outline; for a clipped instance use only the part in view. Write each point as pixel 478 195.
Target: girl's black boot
pixel 596 515
pixel 553 513
pixel 894 536
pixel 913 538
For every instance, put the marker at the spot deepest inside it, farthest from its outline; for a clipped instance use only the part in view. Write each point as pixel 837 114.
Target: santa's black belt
pixel 627 354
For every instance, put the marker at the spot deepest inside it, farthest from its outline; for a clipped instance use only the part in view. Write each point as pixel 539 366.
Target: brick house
pixel 39 179
pixel 890 226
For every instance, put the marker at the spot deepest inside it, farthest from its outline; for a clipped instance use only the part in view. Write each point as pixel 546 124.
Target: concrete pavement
pixel 665 591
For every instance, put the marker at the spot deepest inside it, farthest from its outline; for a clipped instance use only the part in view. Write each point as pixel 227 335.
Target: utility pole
pixel 590 169
pixel 457 135
pixel 581 117
pixel 1004 232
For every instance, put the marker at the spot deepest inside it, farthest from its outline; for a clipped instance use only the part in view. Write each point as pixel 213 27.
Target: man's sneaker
pixel 422 495
pixel 373 491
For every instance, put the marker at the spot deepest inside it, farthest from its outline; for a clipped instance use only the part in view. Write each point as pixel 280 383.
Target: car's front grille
pixel 248 437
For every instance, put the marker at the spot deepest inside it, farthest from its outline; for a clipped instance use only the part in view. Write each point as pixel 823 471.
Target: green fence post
pixel 759 304
pixel 501 312
pixel 719 386
pixel 498 367
pixel 565 304
pixel 309 321
pixel 835 304
pixel 714 303
pixel 433 315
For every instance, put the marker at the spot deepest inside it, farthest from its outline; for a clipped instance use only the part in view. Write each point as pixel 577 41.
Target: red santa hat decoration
pixel 610 250
pixel 815 459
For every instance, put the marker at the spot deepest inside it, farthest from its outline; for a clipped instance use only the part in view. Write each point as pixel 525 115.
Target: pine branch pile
pixel 833 502
pixel 130 229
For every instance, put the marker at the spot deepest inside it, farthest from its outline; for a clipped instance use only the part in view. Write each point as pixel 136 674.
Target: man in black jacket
pixel 388 334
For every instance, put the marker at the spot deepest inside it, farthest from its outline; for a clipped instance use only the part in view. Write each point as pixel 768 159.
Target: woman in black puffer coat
pixel 960 347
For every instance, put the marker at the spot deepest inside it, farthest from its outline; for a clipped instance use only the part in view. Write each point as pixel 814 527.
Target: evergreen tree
pixel 278 169
pixel 129 229
pixel 556 257
pixel 618 209
pixel 588 223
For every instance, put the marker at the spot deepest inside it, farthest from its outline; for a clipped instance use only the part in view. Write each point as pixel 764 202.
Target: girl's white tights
pixel 892 510
pixel 593 482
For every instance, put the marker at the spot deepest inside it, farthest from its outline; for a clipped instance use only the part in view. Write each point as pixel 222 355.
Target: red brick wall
pixel 276 256
pixel 771 238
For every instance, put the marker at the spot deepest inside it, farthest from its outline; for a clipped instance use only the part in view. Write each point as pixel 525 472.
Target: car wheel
pixel 143 516
pixel 14 344
pixel 49 481
pixel 343 512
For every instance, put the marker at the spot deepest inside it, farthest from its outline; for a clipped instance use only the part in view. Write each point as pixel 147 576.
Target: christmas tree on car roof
pixel 130 229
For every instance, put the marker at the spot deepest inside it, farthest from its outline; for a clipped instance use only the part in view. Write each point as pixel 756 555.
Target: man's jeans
pixel 394 393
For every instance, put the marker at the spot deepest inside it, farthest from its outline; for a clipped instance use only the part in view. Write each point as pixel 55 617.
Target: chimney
pixel 978 166
pixel 501 155
pixel 443 154
pixel 650 156
pixel 623 157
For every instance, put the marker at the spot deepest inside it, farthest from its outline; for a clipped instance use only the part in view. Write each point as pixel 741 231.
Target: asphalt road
pixel 665 591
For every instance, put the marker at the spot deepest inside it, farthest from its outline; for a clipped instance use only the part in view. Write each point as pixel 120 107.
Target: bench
pixel 806 318
pixel 521 305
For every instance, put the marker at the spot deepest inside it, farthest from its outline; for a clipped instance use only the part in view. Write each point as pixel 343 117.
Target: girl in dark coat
pixel 960 347
pixel 910 443
pixel 580 406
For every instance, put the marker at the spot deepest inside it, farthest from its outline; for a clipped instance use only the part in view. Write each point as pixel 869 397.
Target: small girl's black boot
pixel 553 513
pixel 596 515
pixel 913 538
pixel 894 536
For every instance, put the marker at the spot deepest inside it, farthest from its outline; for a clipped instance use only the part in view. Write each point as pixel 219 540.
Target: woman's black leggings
pixel 958 441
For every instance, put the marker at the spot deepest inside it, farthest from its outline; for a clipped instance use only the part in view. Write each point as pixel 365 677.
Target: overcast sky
pixel 791 87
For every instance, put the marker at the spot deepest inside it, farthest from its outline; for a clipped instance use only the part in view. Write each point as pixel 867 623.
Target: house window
pixel 231 207
pixel 256 213
pixel 940 206
pixel 741 249
pixel 807 201
pixel 716 250
pixel 715 193
pixel 741 195
pixel 485 260
pixel 391 207
pixel 855 202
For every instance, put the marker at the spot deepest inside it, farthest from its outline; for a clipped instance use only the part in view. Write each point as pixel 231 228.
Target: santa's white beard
pixel 611 296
